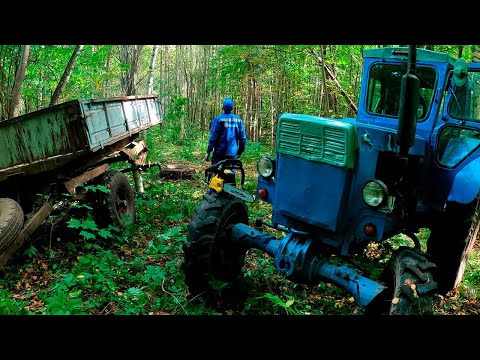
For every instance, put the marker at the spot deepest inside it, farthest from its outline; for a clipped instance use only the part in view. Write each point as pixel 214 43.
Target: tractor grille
pixel 318 139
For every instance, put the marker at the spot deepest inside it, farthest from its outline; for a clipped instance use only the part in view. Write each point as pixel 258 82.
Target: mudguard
pixel 466 184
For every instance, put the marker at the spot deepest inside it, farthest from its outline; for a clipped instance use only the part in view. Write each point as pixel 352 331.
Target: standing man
pixel 227 135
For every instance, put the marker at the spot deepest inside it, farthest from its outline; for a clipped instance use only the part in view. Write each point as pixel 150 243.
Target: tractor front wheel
pixel 410 286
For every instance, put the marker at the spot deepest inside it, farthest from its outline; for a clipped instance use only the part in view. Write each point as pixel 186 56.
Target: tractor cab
pixel 384 68
pixel 455 139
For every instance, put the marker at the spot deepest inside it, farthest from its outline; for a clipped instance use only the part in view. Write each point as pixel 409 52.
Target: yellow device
pixel 216 184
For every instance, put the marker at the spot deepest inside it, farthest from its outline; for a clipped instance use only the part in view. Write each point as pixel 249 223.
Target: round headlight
pixel 265 166
pixel 374 192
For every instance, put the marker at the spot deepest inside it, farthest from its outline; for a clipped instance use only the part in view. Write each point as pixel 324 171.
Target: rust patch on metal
pixel 136 152
pixel 86 176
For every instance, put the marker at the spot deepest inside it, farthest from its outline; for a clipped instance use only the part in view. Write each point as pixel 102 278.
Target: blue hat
pixel 228 105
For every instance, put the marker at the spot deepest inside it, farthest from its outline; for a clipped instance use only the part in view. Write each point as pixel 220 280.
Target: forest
pixel 62 271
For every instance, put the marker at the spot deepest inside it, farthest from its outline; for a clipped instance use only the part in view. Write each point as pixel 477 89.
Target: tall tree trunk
pixel 325 90
pixel 168 76
pixel 460 51
pixel 9 63
pixel 107 70
pixel 161 73
pixel 183 90
pixel 258 113
pixel 130 54
pixel 358 75
pixel 137 175
pixel 321 60
pixel 272 117
pixel 17 86
pixel 206 59
pixel 66 74
pixel 191 93
pixel 151 70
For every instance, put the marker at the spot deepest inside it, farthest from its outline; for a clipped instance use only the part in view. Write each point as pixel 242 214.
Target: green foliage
pixel 470 283
pixel 10 306
pixel 286 305
pixel 30 251
pixel 61 303
pixel 90 77
pixel 94 188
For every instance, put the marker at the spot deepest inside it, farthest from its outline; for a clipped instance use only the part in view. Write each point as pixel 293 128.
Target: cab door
pixel 455 142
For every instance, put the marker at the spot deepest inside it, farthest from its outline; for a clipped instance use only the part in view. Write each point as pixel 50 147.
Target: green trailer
pixel 54 150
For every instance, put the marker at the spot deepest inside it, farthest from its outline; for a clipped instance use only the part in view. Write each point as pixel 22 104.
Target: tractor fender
pixel 466 184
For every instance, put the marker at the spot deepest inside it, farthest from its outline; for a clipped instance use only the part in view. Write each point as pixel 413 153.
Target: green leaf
pixel 74 223
pixel 105 234
pixel 84 260
pixel 172 262
pixel 114 228
pixel 173 231
pixel 89 224
pixel 87 235
pixel 134 291
pixel 217 284
pixel 154 273
pixel 162 248
pixel 103 189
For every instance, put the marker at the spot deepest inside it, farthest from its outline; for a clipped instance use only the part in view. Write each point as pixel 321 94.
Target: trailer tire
pixel 451 241
pixel 209 253
pixel 11 222
pixel 118 206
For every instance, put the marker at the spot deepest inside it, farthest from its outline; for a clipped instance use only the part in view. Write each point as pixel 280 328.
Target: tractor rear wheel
pixel 451 241
pixel 11 222
pixel 212 264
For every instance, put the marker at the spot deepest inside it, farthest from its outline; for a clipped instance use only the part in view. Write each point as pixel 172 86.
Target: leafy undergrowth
pixel 71 265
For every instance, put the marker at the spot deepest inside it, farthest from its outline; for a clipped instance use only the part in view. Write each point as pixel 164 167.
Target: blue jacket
pixel 227 135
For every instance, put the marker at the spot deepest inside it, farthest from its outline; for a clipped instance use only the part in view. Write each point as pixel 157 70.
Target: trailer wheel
pixel 451 241
pixel 208 251
pixel 11 222
pixel 410 286
pixel 118 206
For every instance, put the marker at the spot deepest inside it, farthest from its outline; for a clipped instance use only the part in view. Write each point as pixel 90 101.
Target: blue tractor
pixel 409 160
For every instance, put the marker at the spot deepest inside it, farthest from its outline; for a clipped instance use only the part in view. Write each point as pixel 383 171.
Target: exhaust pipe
pixel 407 113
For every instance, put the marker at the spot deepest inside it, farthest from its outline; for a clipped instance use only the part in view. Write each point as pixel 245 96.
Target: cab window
pixel 384 86
pixel 456 144
pixel 464 103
